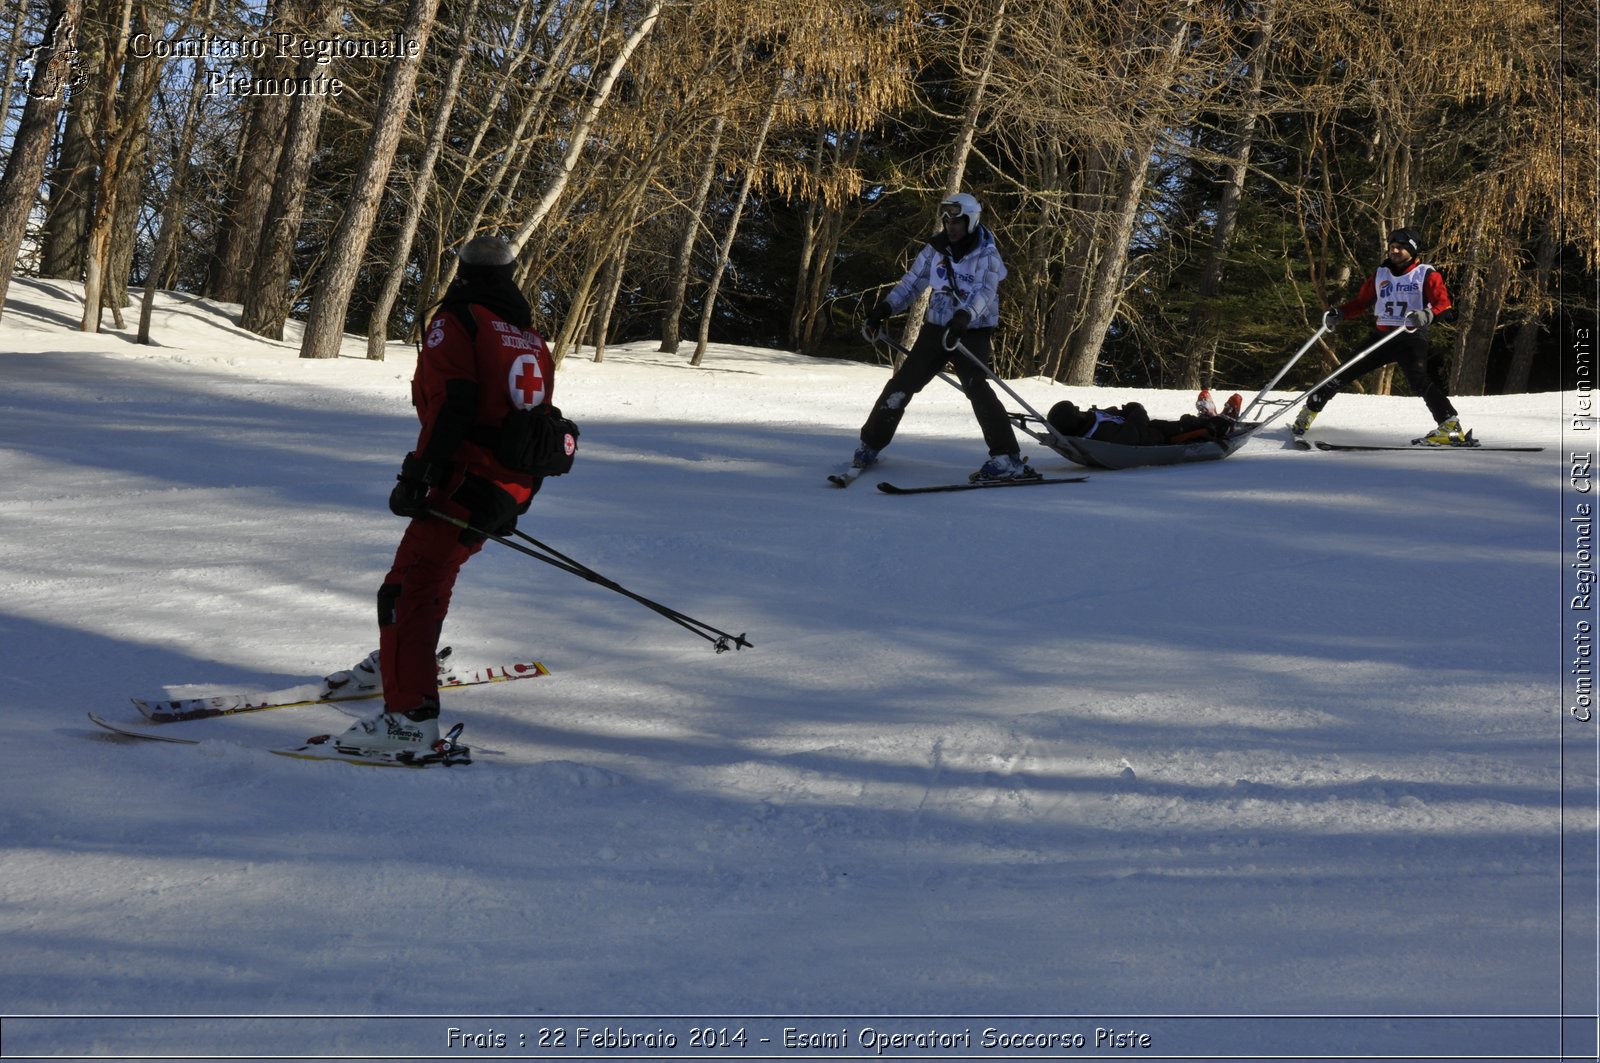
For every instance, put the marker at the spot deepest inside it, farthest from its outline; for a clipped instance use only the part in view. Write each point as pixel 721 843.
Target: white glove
pixel 1331 319
pixel 1418 319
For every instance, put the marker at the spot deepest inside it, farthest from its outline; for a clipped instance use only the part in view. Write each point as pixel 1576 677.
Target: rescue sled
pixel 1102 455
pixel 1099 454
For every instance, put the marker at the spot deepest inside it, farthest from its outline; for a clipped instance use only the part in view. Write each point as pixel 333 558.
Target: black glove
pixel 1331 319
pixel 878 315
pixel 410 495
pixel 957 327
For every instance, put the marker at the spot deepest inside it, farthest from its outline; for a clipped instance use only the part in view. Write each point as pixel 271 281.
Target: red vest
pixel 512 368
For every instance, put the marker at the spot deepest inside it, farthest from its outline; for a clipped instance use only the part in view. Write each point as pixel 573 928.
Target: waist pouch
pixel 538 441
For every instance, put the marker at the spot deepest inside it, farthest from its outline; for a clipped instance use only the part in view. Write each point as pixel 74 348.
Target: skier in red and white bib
pixel 1403 293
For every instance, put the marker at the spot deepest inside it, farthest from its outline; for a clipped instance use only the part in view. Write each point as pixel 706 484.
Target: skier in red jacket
pixel 1404 292
pixel 480 363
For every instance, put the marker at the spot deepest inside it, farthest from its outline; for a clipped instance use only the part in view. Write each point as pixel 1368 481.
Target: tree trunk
pixel 267 299
pixel 509 154
pixel 581 309
pixel 810 223
pixel 1526 343
pixel 72 179
pixel 114 145
pixel 260 150
pixel 172 212
pixel 17 32
pixel 378 323
pixel 123 238
pixel 616 269
pixel 678 283
pixel 19 186
pixel 1105 292
pixel 325 326
pixel 1105 288
pixel 824 258
pixel 1468 292
pixel 725 252
pixel 1470 373
pixel 824 227
pixel 1067 313
pixel 1200 365
pixel 579 137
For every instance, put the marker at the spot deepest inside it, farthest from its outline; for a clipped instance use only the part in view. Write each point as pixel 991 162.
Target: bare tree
pixel 172 211
pixel 1150 118
pixel 578 138
pixel 499 186
pixel 268 297
pixel 17 22
pixel 725 251
pixel 46 92
pixel 1202 334
pixel 325 326
pixel 116 140
pixel 260 149
pixel 694 212
pixel 422 186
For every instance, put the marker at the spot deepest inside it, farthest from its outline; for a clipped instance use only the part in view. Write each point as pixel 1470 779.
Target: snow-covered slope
pixel 1279 735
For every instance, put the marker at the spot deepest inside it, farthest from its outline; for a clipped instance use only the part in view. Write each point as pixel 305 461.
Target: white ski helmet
pixel 966 206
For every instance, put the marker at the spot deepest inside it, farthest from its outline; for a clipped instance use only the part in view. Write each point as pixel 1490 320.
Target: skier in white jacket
pixel 962 266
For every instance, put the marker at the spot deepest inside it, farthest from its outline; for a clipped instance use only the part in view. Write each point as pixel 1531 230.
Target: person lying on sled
pixel 1131 425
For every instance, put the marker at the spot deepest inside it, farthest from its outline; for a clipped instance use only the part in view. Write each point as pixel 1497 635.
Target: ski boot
pixel 357 679
pixel 1004 467
pixel 1447 434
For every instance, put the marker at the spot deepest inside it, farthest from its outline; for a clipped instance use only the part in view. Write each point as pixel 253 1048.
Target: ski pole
pixel 1308 393
pixel 1385 338
pixel 884 337
pixel 579 568
pixel 1262 394
pixel 720 640
pixel 990 373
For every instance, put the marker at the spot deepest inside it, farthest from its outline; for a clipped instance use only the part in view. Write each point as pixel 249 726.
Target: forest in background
pixel 1180 187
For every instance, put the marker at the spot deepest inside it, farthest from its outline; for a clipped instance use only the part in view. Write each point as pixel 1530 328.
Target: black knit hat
pixel 1406 239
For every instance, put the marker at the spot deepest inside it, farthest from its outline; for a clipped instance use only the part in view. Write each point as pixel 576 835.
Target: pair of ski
pixel 1413 446
pixel 448 752
pixel 849 476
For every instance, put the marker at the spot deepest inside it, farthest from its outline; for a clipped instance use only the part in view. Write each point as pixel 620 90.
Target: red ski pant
pixel 413 601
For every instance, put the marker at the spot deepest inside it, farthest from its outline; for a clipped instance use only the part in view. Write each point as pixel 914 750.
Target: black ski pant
pixel 1408 351
pixel 926 359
